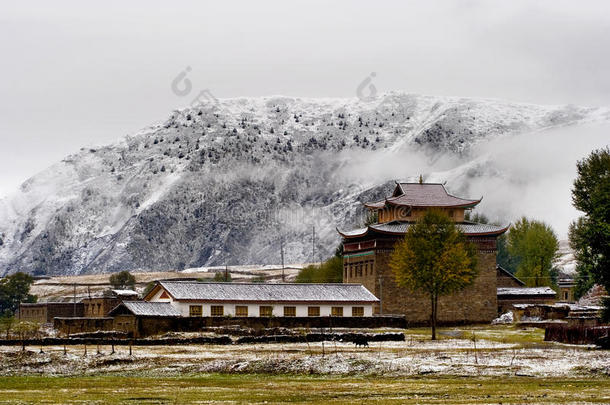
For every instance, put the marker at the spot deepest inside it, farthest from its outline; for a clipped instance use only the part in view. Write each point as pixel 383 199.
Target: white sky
pixel 75 75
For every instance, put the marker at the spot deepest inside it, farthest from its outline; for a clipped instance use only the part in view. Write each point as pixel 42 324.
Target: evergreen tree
pixel 435 258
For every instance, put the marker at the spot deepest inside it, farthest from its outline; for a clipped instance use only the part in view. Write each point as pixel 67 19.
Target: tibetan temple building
pixel 367 253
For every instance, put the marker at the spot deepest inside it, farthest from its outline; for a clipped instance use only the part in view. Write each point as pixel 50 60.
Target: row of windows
pixel 358 269
pixel 32 312
pixel 91 308
pixel 266 310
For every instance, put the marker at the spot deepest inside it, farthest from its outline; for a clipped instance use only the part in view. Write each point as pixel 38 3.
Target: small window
pixel 290 311
pixel 357 311
pixel 336 311
pixel 217 310
pixel 195 310
pixel 565 295
pixel 265 310
pixel 241 310
pixel 313 311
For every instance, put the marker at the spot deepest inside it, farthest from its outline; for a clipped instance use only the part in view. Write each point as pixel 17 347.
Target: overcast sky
pixel 76 75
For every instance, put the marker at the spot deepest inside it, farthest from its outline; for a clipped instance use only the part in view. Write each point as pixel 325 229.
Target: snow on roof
pixel 524 291
pixel 283 292
pixel 144 308
pixel 400 227
pixel 423 195
pixel 125 292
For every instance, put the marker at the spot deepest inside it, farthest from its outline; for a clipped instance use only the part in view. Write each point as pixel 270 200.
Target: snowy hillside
pixel 223 183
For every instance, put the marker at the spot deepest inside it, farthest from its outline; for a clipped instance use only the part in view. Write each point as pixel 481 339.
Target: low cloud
pixel 529 174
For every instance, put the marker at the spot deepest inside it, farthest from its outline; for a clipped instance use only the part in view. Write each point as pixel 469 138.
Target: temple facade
pixel 366 254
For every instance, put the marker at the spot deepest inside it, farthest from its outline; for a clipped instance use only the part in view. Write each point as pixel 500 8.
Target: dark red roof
pixel 423 195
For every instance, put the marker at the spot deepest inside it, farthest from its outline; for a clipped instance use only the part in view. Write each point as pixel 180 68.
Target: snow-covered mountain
pixel 223 183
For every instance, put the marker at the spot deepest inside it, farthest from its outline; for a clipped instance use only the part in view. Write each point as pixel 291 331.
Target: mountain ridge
pixel 220 182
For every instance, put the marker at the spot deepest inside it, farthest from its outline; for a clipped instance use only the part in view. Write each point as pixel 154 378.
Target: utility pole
pixel 380 295
pixel 74 300
pixel 282 256
pixel 313 244
pixel 226 273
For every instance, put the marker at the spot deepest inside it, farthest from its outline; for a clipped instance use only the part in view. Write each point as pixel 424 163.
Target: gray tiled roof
pixel 184 290
pixel 423 195
pixel 526 291
pixel 396 227
pixel 144 308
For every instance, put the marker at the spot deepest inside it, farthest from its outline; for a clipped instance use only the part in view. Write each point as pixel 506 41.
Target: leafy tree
pixel 27 329
pixel 435 258
pixel 372 217
pixel 149 287
pixel 331 271
pixel 122 280
pixel 13 290
pixel 476 217
pixel 590 234
pixel 585 275
pixel 534 244
pixel 6 325
pixel 503 257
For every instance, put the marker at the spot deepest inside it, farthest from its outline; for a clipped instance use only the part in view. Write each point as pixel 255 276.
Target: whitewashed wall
pixel 278 309
pixel 253 308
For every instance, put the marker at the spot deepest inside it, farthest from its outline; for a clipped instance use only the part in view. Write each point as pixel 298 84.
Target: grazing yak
pixel 361 341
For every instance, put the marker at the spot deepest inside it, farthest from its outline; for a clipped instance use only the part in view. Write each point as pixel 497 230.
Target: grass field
pixel 468 365
pixel 277 389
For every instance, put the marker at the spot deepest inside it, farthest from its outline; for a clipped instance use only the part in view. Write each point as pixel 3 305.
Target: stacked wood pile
pixel 580 335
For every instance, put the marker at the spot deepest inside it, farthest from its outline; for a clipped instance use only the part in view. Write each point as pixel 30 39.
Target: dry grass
pixel 268 389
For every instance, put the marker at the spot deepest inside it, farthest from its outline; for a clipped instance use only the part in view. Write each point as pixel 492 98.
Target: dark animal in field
pixel 361 341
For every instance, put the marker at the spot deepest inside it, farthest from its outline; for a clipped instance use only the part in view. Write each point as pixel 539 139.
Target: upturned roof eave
pixel 386 232
pixel 466 204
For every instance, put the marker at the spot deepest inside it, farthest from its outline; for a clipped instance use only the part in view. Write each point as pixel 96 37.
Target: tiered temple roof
pixel 423 195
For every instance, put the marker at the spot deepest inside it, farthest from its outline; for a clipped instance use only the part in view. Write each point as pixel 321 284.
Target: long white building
pixel 195 299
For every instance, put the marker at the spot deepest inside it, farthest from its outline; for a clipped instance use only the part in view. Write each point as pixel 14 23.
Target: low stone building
pixel 566 289
pixel 127 314
pixel 505 279
pixel 199 299
pixel 510 296
pixel 367 253
pixel 44 312
pixel 100 305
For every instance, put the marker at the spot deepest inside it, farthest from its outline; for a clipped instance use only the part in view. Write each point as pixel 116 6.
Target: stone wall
pixel 150 325
pixel 44 312
pixel 504 280
pixel 506 304
pixel 475 304
pixel 67 326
